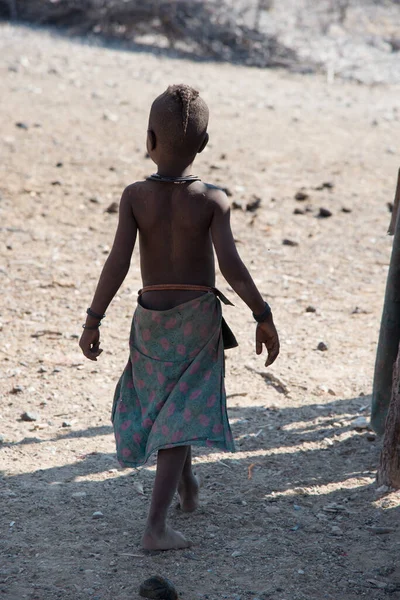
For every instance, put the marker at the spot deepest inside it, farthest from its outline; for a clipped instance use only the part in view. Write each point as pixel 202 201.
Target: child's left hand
pixel 90 343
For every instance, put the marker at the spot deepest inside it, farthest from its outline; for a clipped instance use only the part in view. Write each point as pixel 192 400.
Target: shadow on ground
pixel 293 511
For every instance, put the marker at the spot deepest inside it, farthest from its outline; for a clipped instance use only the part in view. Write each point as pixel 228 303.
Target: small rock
pixel 227 191
pixel 78 495
pixel 326 185
pixel 371 437
pixel 335 530
pixel 113 208
pixel 322 347
pixel 381 530
pixel 345 209
pixel 383 489
pixel 301 196
pixel 158 588
pixel 299 211
pixel 17 389
pixel 390 206
pixel 42 370
pixel 109 116
pixel 254 204
pixel 29 416
pixel 360 423
pixel 66 424
pixel 324 213
pixel 21 125
pixel 287 242
pixel 59 165
pixel 223 157
pixel 56 182
pixel 237 205
pixel 236 553
pixel 97 514
pixel 311 309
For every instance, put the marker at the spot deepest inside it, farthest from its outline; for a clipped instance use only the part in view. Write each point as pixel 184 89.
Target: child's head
pixel 177 125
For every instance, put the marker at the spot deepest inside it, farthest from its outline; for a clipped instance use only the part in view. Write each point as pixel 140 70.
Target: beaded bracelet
pixel 264 315
pixel 91 328
pixel 93 314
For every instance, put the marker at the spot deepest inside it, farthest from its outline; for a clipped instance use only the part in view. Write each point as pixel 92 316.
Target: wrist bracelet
pixel 93 314
pixel 264 315
pixel 91 328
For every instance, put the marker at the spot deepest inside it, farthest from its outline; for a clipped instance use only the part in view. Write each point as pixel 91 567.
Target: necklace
pixel 165 179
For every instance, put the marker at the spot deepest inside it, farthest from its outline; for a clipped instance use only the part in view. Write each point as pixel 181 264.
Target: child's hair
pixel 179 119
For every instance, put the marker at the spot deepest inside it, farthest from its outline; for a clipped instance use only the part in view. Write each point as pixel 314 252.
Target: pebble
pixel 97 514
pixel 66 424
pixel 326 185
pixel 324 213
pixel 360 423
pixel 335 530
pixel 236 553
pixel 381 530
pixel 109 116
pixel 311 309
pixel 254 204
pixel 371 437
pixel 299 211
pixel 287 242
pixel 322 347
pixel 345 209
pixel 21 125
pixel 158 588
pixel 78 495
pixel 237 205
pixel 301 196
pixel 29 416
pixel 113 208
pixel 17 389
pixel 42 370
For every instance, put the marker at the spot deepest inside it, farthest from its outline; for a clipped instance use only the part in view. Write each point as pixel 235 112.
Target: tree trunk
pixel 389 336
pixel 389 467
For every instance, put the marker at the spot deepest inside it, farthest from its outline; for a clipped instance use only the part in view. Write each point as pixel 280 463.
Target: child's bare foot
pixel 168 539
pixel 188 493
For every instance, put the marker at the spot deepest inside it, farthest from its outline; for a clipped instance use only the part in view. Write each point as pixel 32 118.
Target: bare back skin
pixel 175 240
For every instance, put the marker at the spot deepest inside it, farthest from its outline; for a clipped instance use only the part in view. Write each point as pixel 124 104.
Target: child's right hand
pixel 267 334
pixel 90 343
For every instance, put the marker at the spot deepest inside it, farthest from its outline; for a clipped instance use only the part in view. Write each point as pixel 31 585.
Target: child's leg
pixel 158 535
pixel 188 488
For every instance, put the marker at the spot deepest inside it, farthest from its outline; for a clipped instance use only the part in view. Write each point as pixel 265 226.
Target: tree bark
pixel 389 467
pixel 389 336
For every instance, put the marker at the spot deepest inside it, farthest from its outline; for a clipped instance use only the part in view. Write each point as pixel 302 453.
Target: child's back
pixel 174 222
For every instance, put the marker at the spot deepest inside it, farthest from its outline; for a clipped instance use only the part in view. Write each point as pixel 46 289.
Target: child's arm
pixel 237 275
pixel 113 274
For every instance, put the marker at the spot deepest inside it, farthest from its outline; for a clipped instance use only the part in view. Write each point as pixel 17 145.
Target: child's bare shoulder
pixel 217 196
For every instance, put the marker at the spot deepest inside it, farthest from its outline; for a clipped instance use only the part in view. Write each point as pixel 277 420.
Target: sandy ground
pixel 293 514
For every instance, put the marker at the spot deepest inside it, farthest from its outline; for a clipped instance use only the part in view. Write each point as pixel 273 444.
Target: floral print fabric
pixel 172 391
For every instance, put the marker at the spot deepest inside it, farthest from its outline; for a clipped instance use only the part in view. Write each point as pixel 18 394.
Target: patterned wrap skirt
pixel 172 390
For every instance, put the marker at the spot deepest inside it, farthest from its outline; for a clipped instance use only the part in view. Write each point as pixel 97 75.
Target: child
pixel 171 394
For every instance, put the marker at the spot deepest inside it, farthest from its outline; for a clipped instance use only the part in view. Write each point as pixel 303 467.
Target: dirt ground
pixel 295 513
